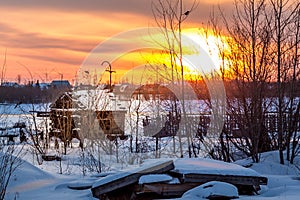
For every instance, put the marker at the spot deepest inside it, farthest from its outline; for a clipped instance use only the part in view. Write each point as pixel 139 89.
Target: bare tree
pixel 284 15
pixel 38 135
pixel 100 127
pixel 294 108
pixel 9 161
pixel 169 16
pixel 9 154
pixel 249 44
pixel 93 138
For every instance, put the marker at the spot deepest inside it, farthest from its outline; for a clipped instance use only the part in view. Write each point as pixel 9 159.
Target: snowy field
pixel 32 182
pixel 61 179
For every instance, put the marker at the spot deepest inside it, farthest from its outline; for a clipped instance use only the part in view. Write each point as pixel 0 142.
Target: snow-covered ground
pixel 34 181
pixel 31 182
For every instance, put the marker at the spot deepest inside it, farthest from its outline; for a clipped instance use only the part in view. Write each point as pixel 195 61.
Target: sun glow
pixel 149 51
pixel 200 54
pixel 207 43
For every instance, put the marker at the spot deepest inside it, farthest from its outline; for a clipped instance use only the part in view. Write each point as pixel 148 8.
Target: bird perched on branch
pixel 187 13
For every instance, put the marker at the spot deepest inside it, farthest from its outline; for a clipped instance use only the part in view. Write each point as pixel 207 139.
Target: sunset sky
pixel 48 40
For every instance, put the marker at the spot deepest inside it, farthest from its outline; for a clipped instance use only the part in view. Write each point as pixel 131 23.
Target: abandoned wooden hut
pixel 63 124
pixel 67 114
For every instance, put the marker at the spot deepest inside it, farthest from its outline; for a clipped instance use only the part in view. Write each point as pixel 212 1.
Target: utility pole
pixel 110 72
pixel 110 90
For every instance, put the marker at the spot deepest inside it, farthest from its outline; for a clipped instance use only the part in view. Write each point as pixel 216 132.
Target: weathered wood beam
pixel 165 189
pixel 121 180
pixel 233 179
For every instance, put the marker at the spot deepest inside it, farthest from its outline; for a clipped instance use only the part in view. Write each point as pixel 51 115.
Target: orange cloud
pixel 54 39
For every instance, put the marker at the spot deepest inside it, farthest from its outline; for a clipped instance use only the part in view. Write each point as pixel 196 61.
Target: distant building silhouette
pixel 10 84
pixel 60 84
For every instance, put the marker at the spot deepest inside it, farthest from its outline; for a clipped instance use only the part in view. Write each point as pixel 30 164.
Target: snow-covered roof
pixel 208 166
pixel 100 99
pixel 120 99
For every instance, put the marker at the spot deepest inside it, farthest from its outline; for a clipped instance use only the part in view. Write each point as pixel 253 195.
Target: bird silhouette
pixel 187 13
